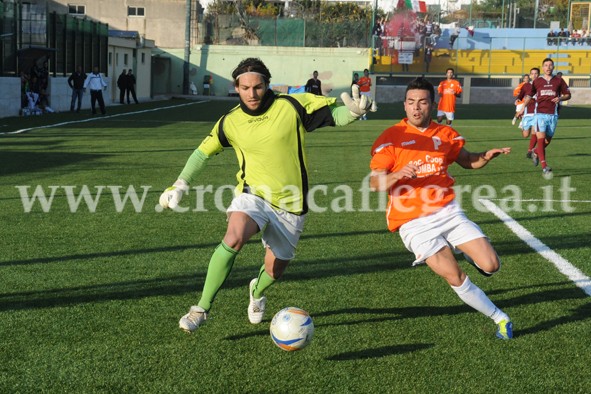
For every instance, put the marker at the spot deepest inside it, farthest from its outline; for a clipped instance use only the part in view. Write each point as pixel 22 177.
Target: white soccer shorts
pixel 281 230
pixel 427 235
pixel 448 115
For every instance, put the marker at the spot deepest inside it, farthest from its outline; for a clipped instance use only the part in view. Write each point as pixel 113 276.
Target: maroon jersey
pixel 546 91
pixel 526 90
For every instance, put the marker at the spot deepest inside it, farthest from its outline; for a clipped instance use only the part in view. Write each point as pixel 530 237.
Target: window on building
pixel 116 59
pixel 136 11
pixel 110 58
pixel 143 58
pixel 74 9
pixel 125 58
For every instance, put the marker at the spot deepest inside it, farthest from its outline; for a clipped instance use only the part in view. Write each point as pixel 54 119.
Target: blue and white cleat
pixel 505 329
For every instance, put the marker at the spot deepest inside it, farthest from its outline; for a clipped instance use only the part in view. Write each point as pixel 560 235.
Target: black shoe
pixel 528 154
pixel 534 158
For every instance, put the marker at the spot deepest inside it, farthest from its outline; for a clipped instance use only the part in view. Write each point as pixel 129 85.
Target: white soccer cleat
pixel 256 307
pixel 192 320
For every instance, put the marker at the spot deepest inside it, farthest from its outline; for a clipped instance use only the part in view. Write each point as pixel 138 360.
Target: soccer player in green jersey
pixel 267 132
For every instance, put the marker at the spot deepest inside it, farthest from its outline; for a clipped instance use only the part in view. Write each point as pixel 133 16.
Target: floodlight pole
pixel 536 12
pixel 187 63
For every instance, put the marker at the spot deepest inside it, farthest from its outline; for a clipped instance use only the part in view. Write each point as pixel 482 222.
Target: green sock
pixel 264 282
pixel 219 268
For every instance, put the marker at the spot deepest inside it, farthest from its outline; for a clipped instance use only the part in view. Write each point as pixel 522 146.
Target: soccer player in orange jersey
pixel 448 90
pixel 518 101
pixel 364 84
pixel 410 161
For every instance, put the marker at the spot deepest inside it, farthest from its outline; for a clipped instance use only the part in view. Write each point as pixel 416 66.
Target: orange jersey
pixel 516 92
pixel 364 84
pixel 448 90
pixel 433 151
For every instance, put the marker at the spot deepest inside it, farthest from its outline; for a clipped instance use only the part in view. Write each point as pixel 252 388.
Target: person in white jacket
pixel 96 83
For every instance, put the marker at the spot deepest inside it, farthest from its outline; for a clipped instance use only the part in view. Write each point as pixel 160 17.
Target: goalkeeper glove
pixel 358 105
pixel 172 196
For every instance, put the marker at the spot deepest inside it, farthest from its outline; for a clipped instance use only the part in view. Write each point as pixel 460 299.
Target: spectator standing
pixel 314 85
pixel 76 83
pixel 428 57
pixel 96 83
pixel 454 36
pixel 377 33
pixel 355 79
pixel 122 85
pixel 131 86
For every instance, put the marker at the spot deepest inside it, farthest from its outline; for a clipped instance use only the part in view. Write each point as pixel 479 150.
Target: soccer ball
pixel 292 329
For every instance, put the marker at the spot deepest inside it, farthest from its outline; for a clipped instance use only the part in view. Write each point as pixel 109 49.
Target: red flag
pixel 422 7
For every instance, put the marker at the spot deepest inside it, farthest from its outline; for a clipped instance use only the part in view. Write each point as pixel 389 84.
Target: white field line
pixel 99 118
pixel 563 265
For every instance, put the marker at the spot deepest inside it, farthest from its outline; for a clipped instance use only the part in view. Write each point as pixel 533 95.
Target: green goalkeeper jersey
pixel 269 145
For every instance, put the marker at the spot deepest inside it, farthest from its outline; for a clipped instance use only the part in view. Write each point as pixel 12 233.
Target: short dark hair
pixel 421 83
pixel 452 70
pixel 252 64
pixel 535 68
pixel 547 60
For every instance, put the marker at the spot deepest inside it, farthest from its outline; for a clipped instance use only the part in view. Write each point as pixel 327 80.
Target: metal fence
pixel 288 32
pixel 29 35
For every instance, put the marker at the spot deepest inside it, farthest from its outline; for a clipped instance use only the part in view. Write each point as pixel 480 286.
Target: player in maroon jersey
pixel 549 91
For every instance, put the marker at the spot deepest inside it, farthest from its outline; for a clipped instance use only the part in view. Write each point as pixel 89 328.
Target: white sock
pixel 475 297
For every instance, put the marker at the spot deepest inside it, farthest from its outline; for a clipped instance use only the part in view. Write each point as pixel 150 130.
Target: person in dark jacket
pixel 122 85
pixel 131 86
pixel 76 83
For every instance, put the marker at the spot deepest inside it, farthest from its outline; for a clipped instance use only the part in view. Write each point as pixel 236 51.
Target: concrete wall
pixel 290 66
pixel 164 20
pixel 10 99
pixel 121 49
pixel 60 96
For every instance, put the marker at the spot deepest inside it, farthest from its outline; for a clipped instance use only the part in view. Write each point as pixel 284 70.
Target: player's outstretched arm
pixel 173 195
pixel 473 160
pixel 357 105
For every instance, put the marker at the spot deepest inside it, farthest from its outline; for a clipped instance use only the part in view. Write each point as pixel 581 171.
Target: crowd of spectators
pixel 566 37
pixel 387 33
pixel 34 92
